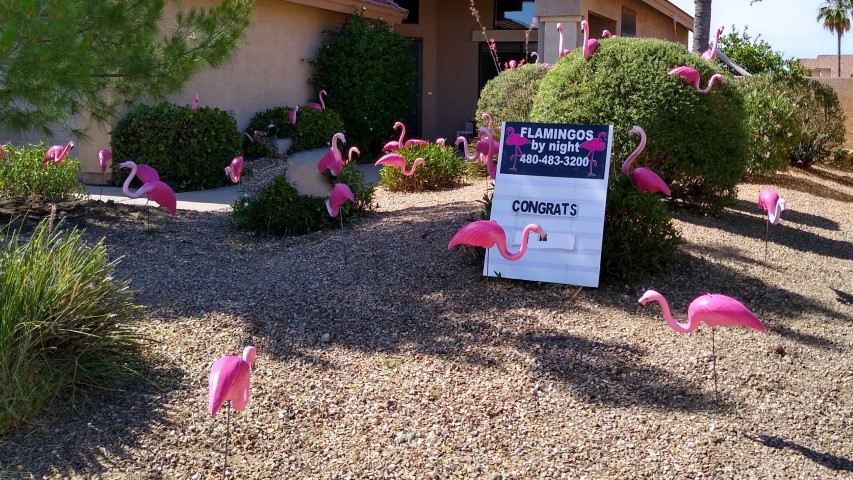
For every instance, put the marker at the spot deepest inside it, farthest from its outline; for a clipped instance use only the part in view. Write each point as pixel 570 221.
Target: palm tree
pixel 702 25
pixel 835 15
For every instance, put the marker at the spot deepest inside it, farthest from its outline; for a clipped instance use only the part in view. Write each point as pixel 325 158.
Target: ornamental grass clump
pixel 65 321
pixel 442 168
pixel 23 175
pixel 698 143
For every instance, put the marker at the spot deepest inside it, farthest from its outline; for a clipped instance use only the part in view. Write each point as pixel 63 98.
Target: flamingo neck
pixel 418 161
pixel 492 168
pixel 66 149
pixel 776 212
pixel 586 50
pixel 322 103
pixel 627 165
pixel 402 133
pixel 125 188
pixel 667 315
pixel 521 251
pixel 713 79
pixel 464 142
pixel 560 46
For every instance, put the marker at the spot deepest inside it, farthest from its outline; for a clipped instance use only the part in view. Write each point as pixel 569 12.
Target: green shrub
pixel 443 168
pixel 64 321
pixel 772 123
pixel 281 210
pixel 639 237
pixel 821 121
pixel 509 96
pixel 188 148
pixel 697 142
pixel 22 174
pixel 367 69
pixel 757 56
pixel 315 128
pixel 277 116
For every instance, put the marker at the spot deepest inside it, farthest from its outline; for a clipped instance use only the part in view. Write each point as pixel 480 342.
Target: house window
pixel 629 22
pixel 514 14
pixel 413 6
pixel 506 51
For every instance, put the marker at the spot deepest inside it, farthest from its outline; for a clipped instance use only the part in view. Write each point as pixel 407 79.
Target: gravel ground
pixel 384 355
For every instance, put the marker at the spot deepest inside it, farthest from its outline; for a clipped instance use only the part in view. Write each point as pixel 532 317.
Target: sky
pixel 789 26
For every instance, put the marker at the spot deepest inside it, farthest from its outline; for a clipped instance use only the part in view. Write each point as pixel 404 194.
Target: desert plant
pixel 23 175
pixel 188 148
pixel 64 320
pixel 821 120
pixel 697 142
pixel 367 69
pixel 442 168
pixel 315 129
pixel 772 122
pixel 757 56
pixel 509 96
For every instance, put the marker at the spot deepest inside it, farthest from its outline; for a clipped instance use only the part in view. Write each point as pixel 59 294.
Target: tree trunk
pixel 701 25
pixel 839 52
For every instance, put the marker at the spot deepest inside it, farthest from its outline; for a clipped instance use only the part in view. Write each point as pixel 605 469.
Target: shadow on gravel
pixel 76 440
pixel 782 234
pixel 811 187
pixel 843 297
pixel 833 462
pixel 791 215
pixel 612 373
pixel 805 338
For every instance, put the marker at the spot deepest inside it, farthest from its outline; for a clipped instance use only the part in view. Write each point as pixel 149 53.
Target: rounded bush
pixel 772 122
pixel 367 70
pixel 315 128
pixel 696 142
pixel 442 168
pixel 820 118
pixel 188 148
pixel 509 96
pixel 282 210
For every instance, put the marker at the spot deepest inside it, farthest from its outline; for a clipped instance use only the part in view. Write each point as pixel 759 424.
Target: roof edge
pixel 385 11
pixel 670 10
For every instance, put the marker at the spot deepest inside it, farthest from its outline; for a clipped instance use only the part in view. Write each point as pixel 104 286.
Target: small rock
pixel 326 338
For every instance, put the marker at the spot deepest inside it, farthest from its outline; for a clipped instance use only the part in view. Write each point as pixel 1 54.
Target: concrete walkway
pixel 301 172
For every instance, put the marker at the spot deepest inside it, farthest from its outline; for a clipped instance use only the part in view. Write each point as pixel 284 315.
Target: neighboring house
pixel 449 48
pixel 825 66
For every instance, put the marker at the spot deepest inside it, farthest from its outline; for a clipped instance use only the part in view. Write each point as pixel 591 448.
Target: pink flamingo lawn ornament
pixel 560 50
pixel 593 145
pixel 229 382
pixel 589 44
pixel 644 179
pixel 691 77
pixel 291 115
pixel 105 158
pixel 774 205
pixel 515 140
pixel 152 188
pixel 607 34
pixel 194 104
pixel 234 170
pixel 398 161
pixel 318 106
pixel 491 168
pixel 438 141
pixel 712 309
pixel 711 54
pixel 487 234
pixel 57 153
pixel 332 160
pixel 396 144
pixel 482 147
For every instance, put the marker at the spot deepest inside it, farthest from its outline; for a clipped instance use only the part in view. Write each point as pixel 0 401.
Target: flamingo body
pixel 340 193
pixel 57 153
pixel 772 203
pixel 589 44
pixel 291 115
pixel 487 233
pixel 397 161
pixel 152 189
pixel 714 310
pixel 234 170
pixel 229 381
pixel 644 179
pixel 318 106
pixel 332 160
pixel 105 157
pixel 690 76
pixel 415 141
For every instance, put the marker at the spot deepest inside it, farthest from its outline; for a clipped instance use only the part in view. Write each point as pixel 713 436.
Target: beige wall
pixel 844 88
pixel 267 70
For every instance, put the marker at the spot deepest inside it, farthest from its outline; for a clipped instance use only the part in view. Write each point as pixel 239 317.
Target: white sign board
pixel 553 175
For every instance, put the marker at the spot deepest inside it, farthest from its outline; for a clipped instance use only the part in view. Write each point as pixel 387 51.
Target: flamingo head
pixel 650 296
pixel 440 141
pixel 340 137
pixel 127 164
pixel 585 27
pixel 462 140
pixel 352 150
pixel 781 204
pixel 249 356
pixel 560 28
pixel 542 235
pixel 636 131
